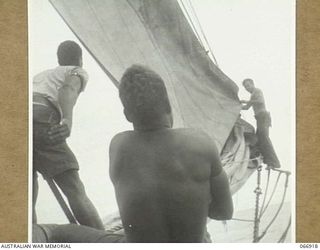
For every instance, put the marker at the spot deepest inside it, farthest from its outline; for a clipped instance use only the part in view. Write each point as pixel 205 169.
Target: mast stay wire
pixel 278 211
pixel 263 209
pixel 284 235
pixel 202 32
pixel 196 31
pixel 192 24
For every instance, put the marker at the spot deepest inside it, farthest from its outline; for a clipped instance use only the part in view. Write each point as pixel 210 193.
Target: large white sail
pixel 119 33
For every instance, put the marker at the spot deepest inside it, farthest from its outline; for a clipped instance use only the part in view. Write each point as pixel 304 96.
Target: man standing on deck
pixel 55 92
pixel 263 119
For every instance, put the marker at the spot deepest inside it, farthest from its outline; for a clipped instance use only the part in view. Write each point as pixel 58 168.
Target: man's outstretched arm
pixel 246 104
pixel 256 98
pixel 68 95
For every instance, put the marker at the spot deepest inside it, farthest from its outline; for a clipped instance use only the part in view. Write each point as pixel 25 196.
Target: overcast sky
pixel 249 38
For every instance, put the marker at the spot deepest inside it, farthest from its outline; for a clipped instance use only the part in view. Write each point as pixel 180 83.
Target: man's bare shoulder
pixel 121 138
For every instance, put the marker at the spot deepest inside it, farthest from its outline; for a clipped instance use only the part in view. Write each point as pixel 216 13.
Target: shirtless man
pixel 263 123
pixel 167 181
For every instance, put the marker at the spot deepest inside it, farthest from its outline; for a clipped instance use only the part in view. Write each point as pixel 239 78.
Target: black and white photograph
pixel 162 121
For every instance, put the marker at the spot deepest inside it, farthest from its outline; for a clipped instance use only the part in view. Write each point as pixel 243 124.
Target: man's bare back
pixel 167 181
pixel 162 180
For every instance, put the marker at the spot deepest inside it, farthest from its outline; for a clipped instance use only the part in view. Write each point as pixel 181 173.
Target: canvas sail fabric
pixel 235 156
pixel 119 33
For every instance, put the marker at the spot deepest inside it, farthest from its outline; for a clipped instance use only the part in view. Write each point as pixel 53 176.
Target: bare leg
pixel 82 208
pixel 35 190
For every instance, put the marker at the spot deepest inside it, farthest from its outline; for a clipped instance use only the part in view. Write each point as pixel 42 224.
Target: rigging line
pixel 271 196
pixel 192 24
pixel 278 211
pixel 284 235
pixel 266 192
pixel 203 34
pixel 244 220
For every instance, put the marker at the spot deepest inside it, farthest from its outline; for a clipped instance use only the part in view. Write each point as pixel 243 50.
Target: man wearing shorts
pixel 55 93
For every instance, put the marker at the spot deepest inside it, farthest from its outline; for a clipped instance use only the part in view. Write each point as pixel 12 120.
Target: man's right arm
pixel 221 206
pixel 68 95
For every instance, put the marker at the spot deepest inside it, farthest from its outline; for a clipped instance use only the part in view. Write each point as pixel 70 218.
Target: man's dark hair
pixel 143 93
pixel 69 53
pixel 247 80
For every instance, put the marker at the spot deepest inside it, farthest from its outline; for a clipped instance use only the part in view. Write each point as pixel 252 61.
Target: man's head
pixel 69 54
pixel 248 84
pixel 144 96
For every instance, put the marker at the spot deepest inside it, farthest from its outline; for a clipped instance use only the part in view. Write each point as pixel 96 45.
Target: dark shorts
pixel 263 120
pixel 49 159
pixel 53 160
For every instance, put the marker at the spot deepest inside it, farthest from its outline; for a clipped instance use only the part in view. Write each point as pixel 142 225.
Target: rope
pixel 192 24
pixel 284 235
pixel 245 220
pixel 278 211
pixel 273 192
pixel 202 32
